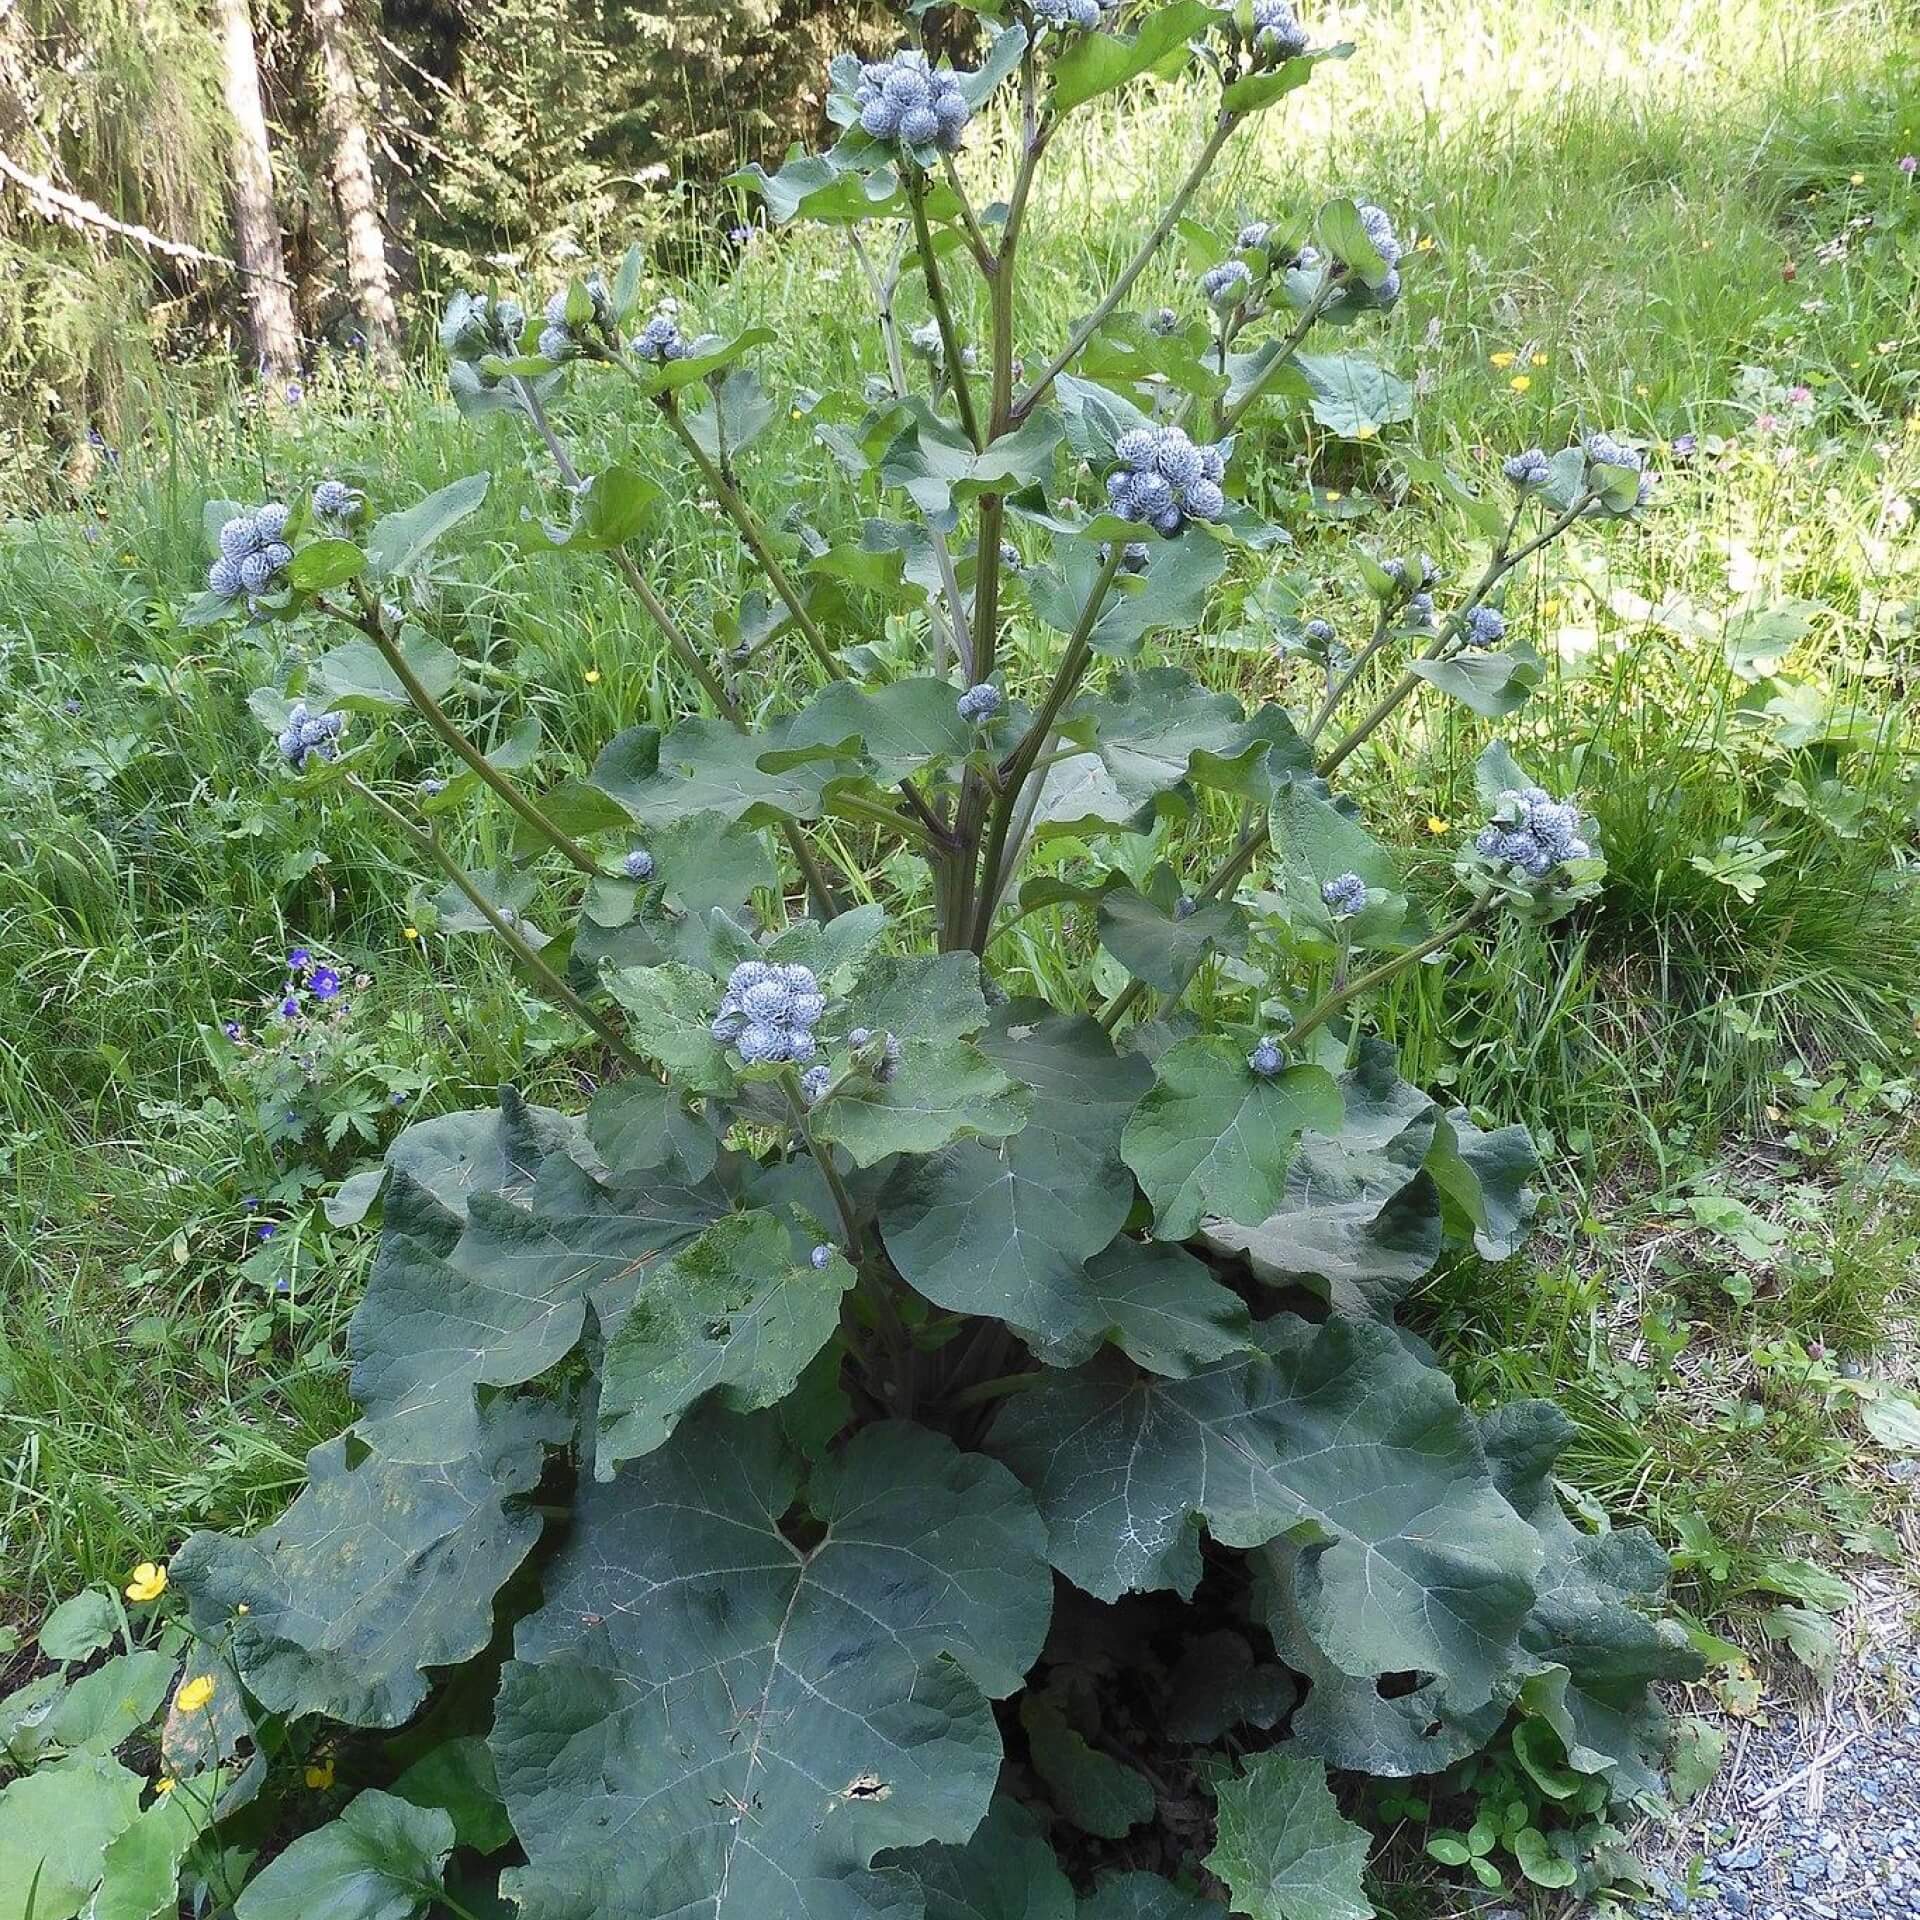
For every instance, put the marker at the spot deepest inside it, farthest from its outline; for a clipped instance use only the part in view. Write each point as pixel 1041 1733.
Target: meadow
pixel 1689 223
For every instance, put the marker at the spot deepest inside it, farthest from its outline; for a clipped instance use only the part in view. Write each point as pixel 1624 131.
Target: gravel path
pixel 1816 1811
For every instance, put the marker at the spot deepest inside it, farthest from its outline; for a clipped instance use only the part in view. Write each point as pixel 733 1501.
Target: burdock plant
pixel 931 1425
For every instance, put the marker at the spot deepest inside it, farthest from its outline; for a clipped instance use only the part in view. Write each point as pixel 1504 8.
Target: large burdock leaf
pixel 381 1860
pixel 905 727
pixel 1284 1851
pixel 1214 1137
pixel 941 1088
pixel 1003 1230
pixel 1144 1896
pixel 1336 1437
pixel 500 1300
pixel 736 1314
pixel 709 766
pixel 1006 1871
pixel 1485 1178
pixel 709 1716
pixel 381 1569
pixel 1596 1649
pixel 1147 727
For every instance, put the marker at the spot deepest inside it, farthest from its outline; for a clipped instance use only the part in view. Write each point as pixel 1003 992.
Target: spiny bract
pixel 1165 480
pixel 907 100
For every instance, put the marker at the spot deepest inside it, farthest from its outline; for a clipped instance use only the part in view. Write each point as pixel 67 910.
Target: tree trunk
pixel 343 117
pixel 256 224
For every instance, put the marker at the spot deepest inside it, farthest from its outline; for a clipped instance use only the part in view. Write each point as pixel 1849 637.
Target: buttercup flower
pixel 319 1777
pixel 1344 895
pixel 195 1694
pixel 907 100
pixel 147 1582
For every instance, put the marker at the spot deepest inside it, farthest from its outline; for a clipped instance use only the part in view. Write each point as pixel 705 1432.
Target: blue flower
pixel 1226 285
pixel 906 100
pixel 1486 627
pixel 638 864
pixel 1185 907
pixel 767 1002
pixel 1277 30
pixel 1266 1059
pixel 1164 321
pixel 323 983
pixel 266 1230
pixel 1420 610
pixel 822 1258
pixel 979 703
pixel 758 1043
pixel 289 1008
pixel 270 521
pixel 1378 226
pixel 1254 234
pixel 1084 14
pixel 397 1098
pixel 1532 832
pixel 299 960
pixel 1344 895
pixel 233 1029
pixel 240 537
pixel 1529 470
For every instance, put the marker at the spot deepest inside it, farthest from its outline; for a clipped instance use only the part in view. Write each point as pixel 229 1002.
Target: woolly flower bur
pixel 1344 895
pixel 661 340
pixel 912 103
pixel 979 704
pixel 1165 480
pixel 1277 32
pixel 335 500
pixel 768 1013
pixel 310 733
pixel 1532 832
pixel 1485 627
pixel 561 338
pixel 1529 471
pixel 1266 1059
pixel 638 864
pixel 1226 285
pixel 1084 14
pixel 253 556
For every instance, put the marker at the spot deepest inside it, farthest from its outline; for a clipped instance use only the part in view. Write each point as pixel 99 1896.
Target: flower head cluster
pixel 1165 480
pixel 1084 14
pixel 1254 235
pixel 813 1086
pixel 979 704
pixel 907 100
pixel 1277 32
pixel 768 1012
pixel 1485 627
pixel 638 865
pixel 890 1049
pixel 559 338
pixel 1226 285
pixel 309 733
pixel 336 501
pixel 1378 226
pixel 1603 450
pixel 1319 632
pixel 661 340
pixel 1344 895
pixel 1266 1059
pixel 1532 831
pixel 254 555
pixel 1529 471
pixel 476 326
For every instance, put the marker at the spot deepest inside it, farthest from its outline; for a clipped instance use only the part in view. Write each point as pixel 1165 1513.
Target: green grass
pixel 1614 194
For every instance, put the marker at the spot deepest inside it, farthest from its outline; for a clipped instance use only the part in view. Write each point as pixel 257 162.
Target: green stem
pixel 983 253
pixel 983 1391
pixel 1019 764
pixel 819 888
pixel 1498 568
pixel 942 312
pixel 556 989
pixel 1226 419
pixel 1385 971
pixel 372 623
pixel 842 1199
pixel 1222 132
pixel 1337 691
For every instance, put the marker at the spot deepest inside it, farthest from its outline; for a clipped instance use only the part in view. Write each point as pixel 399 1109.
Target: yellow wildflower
pixel 1365 430
pixel 1641 388
pixel 147 1582
pixel 1437 826
pixel 1424 244
pixel 165 1784
pixel 1856 179
pixel 1502 359
pixel 195 1694
pixel 592 676
pixel 1334 493
pixel 1520 382
pixel 409 933
pixel 320 1777
pixel 1539 359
